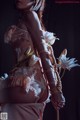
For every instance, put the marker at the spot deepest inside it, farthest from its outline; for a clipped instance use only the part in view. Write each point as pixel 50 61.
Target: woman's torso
pixel 27 74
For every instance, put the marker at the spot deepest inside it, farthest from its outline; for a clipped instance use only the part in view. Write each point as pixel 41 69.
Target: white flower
pixel 4 77
pixel 66 62
pixel 49 37
pixel 31 84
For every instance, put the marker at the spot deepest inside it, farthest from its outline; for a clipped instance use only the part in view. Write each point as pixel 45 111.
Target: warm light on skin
pixel 24 4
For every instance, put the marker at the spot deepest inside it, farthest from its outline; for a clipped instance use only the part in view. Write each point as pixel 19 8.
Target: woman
pixel 27 86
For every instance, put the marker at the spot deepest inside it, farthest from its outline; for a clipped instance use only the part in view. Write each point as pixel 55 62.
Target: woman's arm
pixel 33 24
pixel 34 27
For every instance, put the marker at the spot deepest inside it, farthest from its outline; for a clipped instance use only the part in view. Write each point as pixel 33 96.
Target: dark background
pixel 64 20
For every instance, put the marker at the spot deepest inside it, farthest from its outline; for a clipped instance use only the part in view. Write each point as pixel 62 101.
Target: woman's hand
pixel 58 100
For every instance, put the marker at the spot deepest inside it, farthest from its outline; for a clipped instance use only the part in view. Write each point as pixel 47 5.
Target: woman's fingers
pixel 58 101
